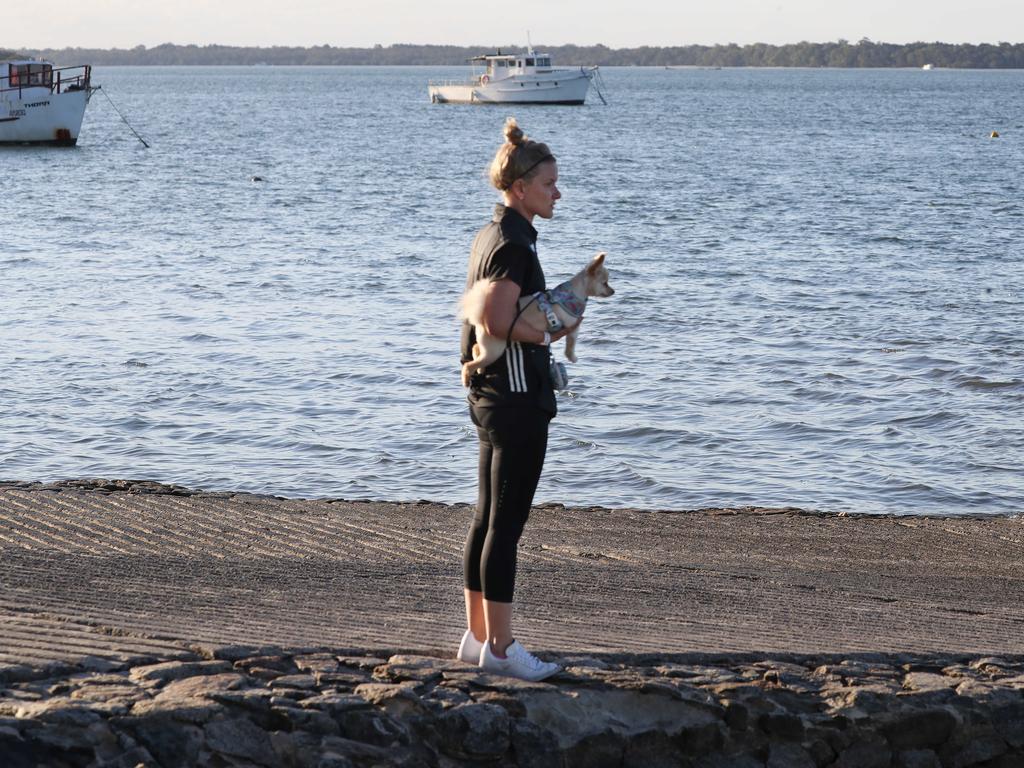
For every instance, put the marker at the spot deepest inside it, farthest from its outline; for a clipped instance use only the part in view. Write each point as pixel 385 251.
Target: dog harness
pixel 563 296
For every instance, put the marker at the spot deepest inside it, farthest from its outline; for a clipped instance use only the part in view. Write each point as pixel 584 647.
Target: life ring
pixel 484 79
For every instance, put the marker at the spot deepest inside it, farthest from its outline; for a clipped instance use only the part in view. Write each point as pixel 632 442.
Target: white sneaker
pixel 518 662
pixel 469 648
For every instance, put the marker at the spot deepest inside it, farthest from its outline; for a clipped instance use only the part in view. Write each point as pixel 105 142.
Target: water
pixel 818 279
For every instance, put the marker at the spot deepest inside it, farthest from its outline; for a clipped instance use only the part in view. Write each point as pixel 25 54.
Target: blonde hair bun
pixel 513 133
pixel 517 158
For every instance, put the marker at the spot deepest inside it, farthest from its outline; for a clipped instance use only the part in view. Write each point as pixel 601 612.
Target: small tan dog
pixel 546 311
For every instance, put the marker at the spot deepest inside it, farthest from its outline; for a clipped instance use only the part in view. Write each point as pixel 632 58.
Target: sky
pixel 617 24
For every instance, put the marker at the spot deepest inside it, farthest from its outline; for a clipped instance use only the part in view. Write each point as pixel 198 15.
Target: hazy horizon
pixel 125 24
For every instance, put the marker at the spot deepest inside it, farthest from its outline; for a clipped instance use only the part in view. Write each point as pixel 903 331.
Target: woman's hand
pixel 500 309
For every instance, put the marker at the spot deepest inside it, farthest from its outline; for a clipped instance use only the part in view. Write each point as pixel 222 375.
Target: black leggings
pixel 513 441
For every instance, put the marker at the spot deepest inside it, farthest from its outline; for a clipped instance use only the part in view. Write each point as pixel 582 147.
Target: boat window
pixel 519 62
pixel 543 62
pixel 529 62
pixel 501 63
pixel 31 74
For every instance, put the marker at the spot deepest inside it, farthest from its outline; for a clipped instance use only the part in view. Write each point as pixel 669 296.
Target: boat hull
pixel 37 116
pixel 570 89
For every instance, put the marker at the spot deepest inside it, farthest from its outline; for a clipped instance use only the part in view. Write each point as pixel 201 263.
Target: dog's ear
pixel 596 263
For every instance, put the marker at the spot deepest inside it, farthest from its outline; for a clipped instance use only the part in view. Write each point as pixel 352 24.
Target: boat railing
pixel 444 83
pixel 58 80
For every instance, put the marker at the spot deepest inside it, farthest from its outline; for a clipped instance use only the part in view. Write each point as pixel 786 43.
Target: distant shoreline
pixel 840 54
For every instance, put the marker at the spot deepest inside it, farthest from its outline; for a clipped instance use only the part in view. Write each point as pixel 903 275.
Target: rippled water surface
pixel 819 281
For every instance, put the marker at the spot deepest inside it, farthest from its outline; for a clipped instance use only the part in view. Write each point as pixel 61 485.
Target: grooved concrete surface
pixel 100 570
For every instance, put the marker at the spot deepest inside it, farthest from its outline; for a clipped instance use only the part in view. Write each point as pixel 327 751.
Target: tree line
pixel 841 53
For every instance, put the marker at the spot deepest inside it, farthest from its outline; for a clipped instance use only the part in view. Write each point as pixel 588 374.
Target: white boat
pixel 40 104
pixel 521 78
pixel 926 67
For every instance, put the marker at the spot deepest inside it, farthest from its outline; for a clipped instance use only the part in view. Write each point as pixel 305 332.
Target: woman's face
pixel 537 195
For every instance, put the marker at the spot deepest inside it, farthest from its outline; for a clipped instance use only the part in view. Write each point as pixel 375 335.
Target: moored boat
pixel 41 104
pixel 522 78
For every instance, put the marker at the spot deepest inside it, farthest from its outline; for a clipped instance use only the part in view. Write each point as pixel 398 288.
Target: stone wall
pixel 270 707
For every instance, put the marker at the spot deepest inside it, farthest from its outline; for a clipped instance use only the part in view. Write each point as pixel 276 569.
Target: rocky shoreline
pixel 236 706
pixel 156 626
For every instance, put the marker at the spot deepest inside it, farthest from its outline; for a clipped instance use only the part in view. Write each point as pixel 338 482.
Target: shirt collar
pixel 511 217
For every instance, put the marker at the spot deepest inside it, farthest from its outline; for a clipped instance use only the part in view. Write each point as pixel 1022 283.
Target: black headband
pixel 542 160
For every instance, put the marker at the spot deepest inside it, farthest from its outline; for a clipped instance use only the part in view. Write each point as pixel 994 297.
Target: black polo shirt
pixel 506 248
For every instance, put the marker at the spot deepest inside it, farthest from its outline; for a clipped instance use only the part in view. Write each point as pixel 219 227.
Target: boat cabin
pixel 500 66
pixel 27 74
pixel 19 75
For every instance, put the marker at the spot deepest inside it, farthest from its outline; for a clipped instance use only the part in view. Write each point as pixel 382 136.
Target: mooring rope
pixel 99 88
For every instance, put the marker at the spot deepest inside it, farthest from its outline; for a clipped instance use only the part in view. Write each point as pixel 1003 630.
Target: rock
pixel 308 720
pixel 176 670
pixel 468 679
pixel 871 752
pixel 374 727
pixel 265 673
pixel 369 663
pixel 993 665
pixel 653 749
pixel 917 758
pixel 419 668
pixel 132 758
pixel 172 744
pixel 533 746
pixel 189 700
pixel 278 662
pixel 63 738
pixel 475 731
pixel 396 700
pixel 316 662
pixel 981 749
pixel 788 755
pixel 820 751
pixel 255 700
pixel 861 701
pixel 16 673
pixel 585 713
pixel 1008 721
pixel 927 681
pixel 697 675
pixel 232 653
pixel 334 703
pixel 334 760
pixel 63 711
pixel 605 748
pixel 98 664
pixel 203 686
pixel 238 737
pixel 346 679
pixel 782 725
pixel 737 716
pixel 349 748
pixel 910 730
pixel 298 682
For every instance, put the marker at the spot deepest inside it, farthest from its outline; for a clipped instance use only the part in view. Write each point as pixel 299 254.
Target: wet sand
pixel 116 571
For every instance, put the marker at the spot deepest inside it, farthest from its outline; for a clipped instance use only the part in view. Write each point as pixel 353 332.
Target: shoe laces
pixel 527 658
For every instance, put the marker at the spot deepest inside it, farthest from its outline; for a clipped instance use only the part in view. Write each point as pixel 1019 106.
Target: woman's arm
pixel 500 305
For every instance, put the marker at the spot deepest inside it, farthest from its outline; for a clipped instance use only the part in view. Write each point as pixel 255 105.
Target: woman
pixel 511 403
